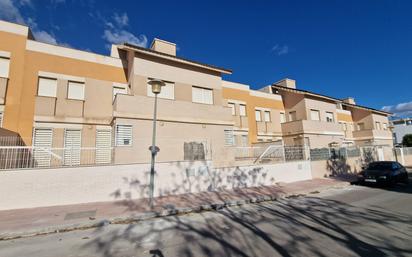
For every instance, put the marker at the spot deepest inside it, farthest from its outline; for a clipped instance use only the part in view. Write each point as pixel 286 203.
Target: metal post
pixel 154 152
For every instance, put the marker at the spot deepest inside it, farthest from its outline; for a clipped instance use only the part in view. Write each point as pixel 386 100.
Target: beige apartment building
pixel 62 98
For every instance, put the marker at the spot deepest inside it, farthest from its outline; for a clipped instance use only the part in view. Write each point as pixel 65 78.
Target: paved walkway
pixel 25 222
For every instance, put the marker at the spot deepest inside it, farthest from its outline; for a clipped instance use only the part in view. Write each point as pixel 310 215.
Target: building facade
pixel 400 128
pixel 62 98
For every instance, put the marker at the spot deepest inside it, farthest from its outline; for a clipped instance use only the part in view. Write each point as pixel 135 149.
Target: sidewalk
pixel 34 221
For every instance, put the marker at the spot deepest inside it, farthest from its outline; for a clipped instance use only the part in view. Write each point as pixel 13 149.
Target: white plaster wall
pixel 49 187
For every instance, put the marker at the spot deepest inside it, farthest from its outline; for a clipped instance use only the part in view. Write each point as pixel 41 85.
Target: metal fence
pixel 19 157
pixel 276 153
pixel 271 153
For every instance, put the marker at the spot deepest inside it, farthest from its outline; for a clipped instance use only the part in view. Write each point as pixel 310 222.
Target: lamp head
pixel 157 85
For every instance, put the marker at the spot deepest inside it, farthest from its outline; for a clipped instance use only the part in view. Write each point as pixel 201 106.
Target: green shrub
pixel 407 140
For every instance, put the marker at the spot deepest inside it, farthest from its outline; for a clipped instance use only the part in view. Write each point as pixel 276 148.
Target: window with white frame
pixel 124 135
pixel 232 107
pixel 292 116
pixel 361 126
pixel 378 125
pixel 258 115
pixel 282 117
pixel 119 89
pixel 267 116
pixel 47 87
pixel 202 95
pixel 75 90
pixel 244 140
pixel 4 67
pixel 242 109
pixel 229 138
pixel 330 117
pixel 314 115
pixel 166 92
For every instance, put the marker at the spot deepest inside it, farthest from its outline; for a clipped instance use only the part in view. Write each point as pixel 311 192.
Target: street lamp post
pixel 156 88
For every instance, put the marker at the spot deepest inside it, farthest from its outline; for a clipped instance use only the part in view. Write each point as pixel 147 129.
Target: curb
pixel 163 213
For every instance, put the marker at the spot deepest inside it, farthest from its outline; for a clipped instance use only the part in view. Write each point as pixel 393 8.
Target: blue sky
pixel 338 48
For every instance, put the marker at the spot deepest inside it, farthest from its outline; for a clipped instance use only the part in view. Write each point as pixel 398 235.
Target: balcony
pixel 372 133
pixel 268 128
pixel 311 126
pixel 241 121
pixel 135 106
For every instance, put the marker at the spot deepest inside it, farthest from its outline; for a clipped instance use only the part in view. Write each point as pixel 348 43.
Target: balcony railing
pixel 372 133
pixel 311 126
pixel 134 106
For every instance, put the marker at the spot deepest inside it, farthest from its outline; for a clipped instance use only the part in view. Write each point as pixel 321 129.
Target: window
pixel 119 90
pixel 330 117
pixel 1 119
pixel 244 140
pixel 292 116
pixel 282 117
pixel 202 95
pixel 267 116
pixel 4 67
pixel 258 115
pixel 385 126
pixel 75 90
pixel 344 126
pixel 72 146
pixel 229 138
pixel 42 142
pixel 242 110
pixel 361 126
pixel 167 91
pixel 232 106
pixel 314 115
pixel 103 146
pixel 47 87
pixel 124 135
pixel 378 125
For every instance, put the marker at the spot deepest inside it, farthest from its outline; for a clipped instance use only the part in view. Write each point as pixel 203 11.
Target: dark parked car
pixel 384 172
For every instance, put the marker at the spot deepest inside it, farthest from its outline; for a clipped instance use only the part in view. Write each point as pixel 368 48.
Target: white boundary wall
pixel 50 187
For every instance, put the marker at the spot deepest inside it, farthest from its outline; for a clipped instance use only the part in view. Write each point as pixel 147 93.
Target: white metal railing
pixel 20 157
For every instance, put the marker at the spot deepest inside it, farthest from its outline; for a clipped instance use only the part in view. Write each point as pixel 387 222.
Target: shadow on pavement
pixel 307 226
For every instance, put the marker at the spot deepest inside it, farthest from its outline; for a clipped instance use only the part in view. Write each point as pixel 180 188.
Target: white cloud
pixel 10 11
pixel 44 37
pixel 118 37
pixel 280 50
pixel 121 20
pixel 401 110
pixel 115 32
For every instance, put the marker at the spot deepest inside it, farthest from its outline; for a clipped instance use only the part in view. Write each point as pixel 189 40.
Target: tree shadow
pixel 300 226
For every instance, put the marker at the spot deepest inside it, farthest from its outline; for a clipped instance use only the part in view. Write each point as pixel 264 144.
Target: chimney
pixel 349 100
pixel 162 46
pixel 290 83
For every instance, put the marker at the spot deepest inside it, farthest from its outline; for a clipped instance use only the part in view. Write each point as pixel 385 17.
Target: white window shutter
pixel 124 135
pixel 42 143
pixel 47 87
pixel 242 110
pixel 103 146
pixel 4 67
pixel 229 138
pixel 258 115
pixel 75 90
pixel 72 146
pixel 167 91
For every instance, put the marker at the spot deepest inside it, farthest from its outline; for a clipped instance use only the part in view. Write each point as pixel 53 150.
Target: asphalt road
pixel 355 221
